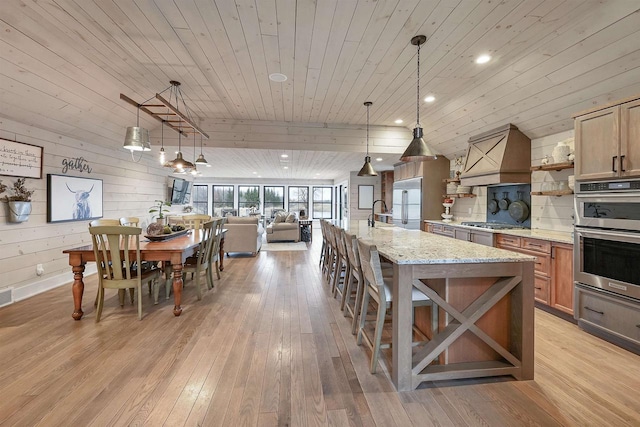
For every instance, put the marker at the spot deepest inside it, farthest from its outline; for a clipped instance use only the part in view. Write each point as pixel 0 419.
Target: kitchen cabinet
pixel 614 318
pixel 480 237
pixel 386 187
pixel 553 268
pixel 606 142
pixel 407 170
pixel 440 229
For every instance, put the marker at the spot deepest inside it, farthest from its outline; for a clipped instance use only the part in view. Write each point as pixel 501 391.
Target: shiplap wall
pixel 547 212
pixel 129 189
pixel 354 181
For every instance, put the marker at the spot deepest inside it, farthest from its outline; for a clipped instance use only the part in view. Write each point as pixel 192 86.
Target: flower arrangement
pixel 20 192
pixel 159 207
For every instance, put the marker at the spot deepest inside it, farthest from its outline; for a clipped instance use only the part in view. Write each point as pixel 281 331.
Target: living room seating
pixel 244 234
pixel 284 227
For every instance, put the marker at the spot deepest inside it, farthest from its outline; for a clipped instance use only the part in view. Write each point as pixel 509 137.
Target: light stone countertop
pixel 536 233
pixel 403 246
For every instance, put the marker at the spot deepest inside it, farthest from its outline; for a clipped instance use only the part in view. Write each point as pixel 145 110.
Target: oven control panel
pixel 605 186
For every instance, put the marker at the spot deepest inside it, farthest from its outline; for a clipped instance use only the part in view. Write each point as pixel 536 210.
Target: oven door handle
pixel 608 235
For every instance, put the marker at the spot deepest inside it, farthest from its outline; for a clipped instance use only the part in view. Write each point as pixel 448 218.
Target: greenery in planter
pixel 160 207
pixel 20 192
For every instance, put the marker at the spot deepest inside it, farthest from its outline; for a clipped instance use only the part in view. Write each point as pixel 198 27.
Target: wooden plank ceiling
pixel 65 62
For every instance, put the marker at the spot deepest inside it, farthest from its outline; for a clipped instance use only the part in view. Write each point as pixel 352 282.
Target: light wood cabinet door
pixel 630 139
pixel 561 297
pixel 597 142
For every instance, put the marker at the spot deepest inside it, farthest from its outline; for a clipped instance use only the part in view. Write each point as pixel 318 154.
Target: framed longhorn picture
pixel 70 198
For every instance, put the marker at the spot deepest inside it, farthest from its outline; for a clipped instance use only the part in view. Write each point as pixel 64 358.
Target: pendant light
pixel 179 163
pixel 194 171
pixel 367 169
pixel 137 138
pixel 163 158
pixel 418 149
pixel 201 160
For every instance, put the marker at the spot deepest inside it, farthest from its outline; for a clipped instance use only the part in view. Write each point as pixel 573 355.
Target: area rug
pixel 284 246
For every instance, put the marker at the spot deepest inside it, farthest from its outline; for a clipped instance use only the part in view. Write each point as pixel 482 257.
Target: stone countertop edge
pixel 417 247
pixel 536 233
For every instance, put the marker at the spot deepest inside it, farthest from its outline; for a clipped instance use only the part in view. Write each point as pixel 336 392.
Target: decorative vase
pixel 19 211
pixel 560 152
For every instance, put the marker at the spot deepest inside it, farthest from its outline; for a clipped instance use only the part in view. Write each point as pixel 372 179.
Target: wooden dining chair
pixel 378 289
pixel 175 220
pixel 110 222
pixel 215 252
pixel 202 260
pixel 131 221
pixel 113 247
pixel 195 221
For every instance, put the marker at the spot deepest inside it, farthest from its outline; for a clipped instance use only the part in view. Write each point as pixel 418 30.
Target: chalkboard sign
pixel 20 159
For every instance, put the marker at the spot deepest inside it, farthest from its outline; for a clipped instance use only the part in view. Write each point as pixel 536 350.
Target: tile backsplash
pixel 547 212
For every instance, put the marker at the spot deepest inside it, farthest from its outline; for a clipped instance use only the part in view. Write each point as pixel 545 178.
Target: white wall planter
pixel 19 211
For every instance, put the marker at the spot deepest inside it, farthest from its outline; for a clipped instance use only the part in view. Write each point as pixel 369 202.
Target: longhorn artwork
pixel 72 198
pixel 81 208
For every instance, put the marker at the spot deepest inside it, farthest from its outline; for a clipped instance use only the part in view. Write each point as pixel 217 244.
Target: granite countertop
pixel 536 233
pixel 403 246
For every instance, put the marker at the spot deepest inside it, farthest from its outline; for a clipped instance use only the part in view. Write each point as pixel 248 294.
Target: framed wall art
pixel 70 198
pixel 20 159
pixel 365 196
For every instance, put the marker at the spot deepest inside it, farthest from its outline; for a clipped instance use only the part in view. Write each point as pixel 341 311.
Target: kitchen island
pixel 485 300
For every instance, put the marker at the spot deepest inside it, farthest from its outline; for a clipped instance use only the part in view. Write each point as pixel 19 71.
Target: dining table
pixel 173 251
pixel 485 298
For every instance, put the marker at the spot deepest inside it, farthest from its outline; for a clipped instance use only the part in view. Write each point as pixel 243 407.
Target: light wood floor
pixel 269 347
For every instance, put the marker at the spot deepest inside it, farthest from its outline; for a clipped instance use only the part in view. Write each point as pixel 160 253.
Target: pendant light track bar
pixel 183 126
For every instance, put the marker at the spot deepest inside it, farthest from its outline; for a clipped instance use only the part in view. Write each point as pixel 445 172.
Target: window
pixel 322 202
pixel 222 199
pixel 273 199
pixel 200 199
pixel 299 200
pixel 248 199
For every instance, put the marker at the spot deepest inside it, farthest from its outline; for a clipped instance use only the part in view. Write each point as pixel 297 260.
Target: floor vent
pixel 6 297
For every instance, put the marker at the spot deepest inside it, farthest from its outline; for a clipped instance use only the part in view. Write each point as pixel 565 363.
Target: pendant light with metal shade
pixel 163 158
pixel 137 138
pixel 201 160
pixel 179 163
pixel 367 168
pixel 418 149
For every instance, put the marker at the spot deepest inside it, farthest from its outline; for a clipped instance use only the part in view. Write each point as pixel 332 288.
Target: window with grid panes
pixel 200 199
pixel 322 202
pixel 222 199
pixel 299 200
pixel 273 199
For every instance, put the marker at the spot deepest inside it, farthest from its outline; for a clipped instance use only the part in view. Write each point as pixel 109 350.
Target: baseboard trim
pixel 35 288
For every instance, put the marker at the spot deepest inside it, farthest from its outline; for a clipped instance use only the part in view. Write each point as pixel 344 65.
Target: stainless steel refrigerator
pixel 407 203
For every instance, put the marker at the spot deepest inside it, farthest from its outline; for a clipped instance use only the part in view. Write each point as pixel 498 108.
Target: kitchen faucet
pixel 371 221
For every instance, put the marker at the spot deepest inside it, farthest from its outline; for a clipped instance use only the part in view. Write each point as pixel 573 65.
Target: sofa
pixel 244 234
pixel 284 227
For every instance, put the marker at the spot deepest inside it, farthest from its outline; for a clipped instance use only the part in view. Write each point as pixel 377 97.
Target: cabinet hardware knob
pixel 622 163
pixel 613 163
pixel 591 309
pixel 541 289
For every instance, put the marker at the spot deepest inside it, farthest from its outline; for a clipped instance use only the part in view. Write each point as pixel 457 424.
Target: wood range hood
pixel 499 156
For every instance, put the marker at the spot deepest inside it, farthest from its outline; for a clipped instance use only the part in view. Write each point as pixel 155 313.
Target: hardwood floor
pixel 269 346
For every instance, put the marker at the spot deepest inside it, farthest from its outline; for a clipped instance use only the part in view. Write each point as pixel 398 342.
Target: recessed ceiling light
pixel 430 98
pixel 398 121
pixel 483 59
pixel 259 176
pixel 379 159
pixel 286 167
pixel 255 173
pixel 277 77
pixel 284 156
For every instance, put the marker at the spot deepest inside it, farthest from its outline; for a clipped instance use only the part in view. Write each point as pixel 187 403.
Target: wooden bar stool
pixel 379 289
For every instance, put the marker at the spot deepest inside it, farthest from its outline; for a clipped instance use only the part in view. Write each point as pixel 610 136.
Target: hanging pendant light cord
pixel 418 92
pixel 368 130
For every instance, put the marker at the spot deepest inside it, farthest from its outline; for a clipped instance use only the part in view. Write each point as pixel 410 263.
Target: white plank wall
pixel 129 189
pixel 354 181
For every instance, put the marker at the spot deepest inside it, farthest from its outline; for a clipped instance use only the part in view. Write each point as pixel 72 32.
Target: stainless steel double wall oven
pixel 607 236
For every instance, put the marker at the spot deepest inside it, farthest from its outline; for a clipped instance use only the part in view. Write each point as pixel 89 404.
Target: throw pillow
pixel 291 217
pixel 279 218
